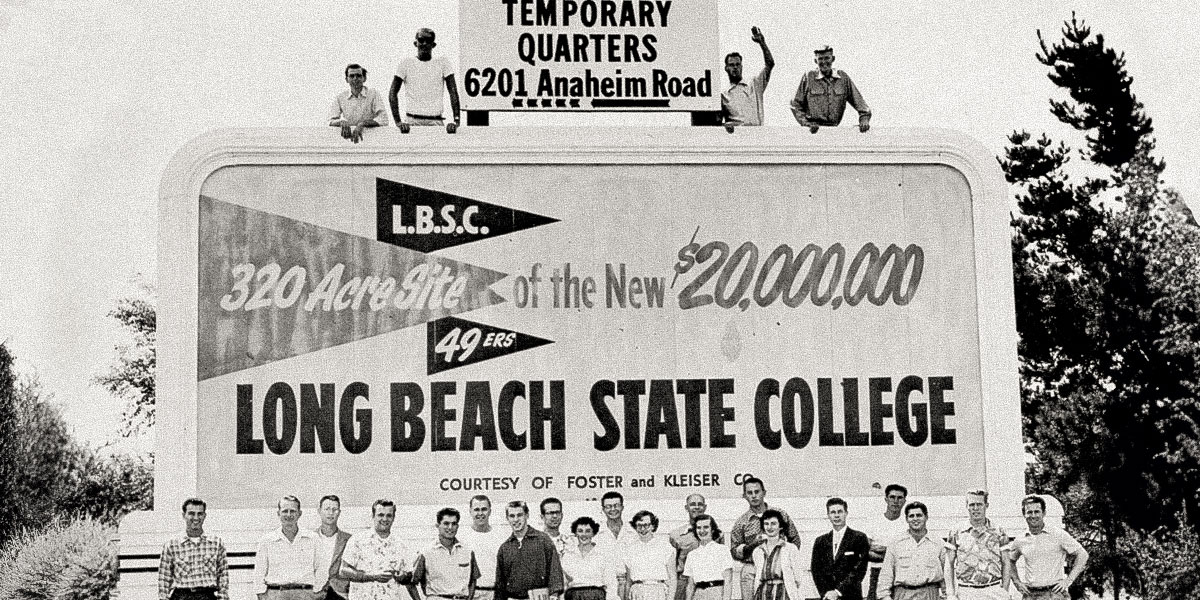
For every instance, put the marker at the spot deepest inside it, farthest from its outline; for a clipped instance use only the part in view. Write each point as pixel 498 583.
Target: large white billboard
pixel 542 317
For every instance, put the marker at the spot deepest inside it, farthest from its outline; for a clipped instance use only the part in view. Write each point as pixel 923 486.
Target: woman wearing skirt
pixel 777 562
pixel 708 568
pixel 588 568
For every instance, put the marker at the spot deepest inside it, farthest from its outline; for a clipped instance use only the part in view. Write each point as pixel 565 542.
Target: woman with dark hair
pixel 777 562
pixel 709 567
pixel 650 560
pixel 588 568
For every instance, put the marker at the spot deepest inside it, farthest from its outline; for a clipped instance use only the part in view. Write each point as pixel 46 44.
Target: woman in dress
pixel 650 561
pixel 708 568
pixel 777 562
pixel 588 569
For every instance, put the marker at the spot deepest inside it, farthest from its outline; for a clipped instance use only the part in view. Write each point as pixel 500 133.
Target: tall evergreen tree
pixel 1109 345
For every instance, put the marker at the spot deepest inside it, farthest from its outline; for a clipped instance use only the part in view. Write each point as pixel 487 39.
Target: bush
pixel 1167 562
pixel 109 487
pixel 74 560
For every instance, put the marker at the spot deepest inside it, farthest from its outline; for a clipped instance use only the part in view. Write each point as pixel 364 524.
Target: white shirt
pixel 615 544
pixel 325 547
pixel 424 84
pixel 592 569
pixel 486 546
pixel 279 561
pixel 708 562
pixel 650 561
pixel 836 540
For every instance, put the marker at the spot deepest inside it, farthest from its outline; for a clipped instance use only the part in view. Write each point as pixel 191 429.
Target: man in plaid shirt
pixel 193 565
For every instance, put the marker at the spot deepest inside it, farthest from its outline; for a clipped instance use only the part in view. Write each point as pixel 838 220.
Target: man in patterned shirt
pixel 377 564
pixel 193 566
pixel 975 567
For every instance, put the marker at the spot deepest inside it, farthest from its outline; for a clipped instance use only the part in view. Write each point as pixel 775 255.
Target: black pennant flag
pixel 453 343
pixel 428 220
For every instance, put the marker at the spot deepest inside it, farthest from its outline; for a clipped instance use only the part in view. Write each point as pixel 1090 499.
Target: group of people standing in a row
pixel 820 99
pixel 757 559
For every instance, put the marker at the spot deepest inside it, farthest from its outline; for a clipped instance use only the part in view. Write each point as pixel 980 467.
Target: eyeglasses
pixel 643 525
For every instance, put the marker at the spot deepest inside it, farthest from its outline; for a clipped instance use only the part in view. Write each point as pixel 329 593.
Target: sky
pixel 95 98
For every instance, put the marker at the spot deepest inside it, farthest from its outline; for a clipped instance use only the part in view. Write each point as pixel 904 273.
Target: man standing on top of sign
pixel 357 108
pixel 425 76
pixel 742 103
pixel 823 93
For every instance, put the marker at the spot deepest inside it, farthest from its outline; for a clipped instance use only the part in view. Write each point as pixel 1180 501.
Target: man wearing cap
pixel 823 94
pixel 425 76
pixel 975 565
pixel 742 103
pixel 357 108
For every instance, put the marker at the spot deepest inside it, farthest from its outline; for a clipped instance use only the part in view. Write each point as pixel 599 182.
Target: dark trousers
pixel 194 594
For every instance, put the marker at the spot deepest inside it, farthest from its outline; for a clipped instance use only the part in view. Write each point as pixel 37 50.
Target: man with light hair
pixel 426 77
pixel 976 568
pixel 285 565
pixel 1044 549
pixel 527 565
pixel 377 564
pixel 823 94
pixel 484 540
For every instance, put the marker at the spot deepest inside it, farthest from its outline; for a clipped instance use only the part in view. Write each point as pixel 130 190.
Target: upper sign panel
pixel 588 55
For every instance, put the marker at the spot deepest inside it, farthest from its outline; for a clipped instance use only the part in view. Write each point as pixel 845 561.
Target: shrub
pixel 75 560
pixel 1167 562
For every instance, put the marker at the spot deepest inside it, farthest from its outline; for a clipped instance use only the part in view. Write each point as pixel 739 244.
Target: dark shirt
pixel 528 564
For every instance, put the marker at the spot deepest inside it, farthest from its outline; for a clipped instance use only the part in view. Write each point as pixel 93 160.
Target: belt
pixel 486 588
pixel 1044 588
pixel 423 116
pixel 191 590
pixel 775 580
pixel 916 587
pixel 289 586
pixel 451 596
pixel 648 581
pixel 585 588
pixel 704 585
pixel 978 585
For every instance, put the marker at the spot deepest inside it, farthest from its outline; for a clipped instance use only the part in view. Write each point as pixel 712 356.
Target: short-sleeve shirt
pixel 883 532
pixel 708 562
pixel 368 552
pixel 645 561
pixel 1045 555
pixel 743 101
pixel 446 571
pixel 594 569
pixel 749 525
pixel 424 84
pixel 355 109
pixel 977 553
pixel 485 545
pixel 912 563
pixel 615 544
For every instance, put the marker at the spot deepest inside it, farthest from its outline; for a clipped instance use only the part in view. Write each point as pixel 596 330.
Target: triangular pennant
pixel 428 220
pixel 452 342
pixel 272 288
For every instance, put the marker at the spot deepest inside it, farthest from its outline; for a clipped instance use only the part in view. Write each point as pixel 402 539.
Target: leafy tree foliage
pixel 132 376
pixel 1107 288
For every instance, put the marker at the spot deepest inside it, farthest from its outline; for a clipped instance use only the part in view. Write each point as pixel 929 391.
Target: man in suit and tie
pixel 839 558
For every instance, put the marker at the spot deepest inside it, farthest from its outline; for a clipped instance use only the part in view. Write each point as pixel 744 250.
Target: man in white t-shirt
pixel 425 76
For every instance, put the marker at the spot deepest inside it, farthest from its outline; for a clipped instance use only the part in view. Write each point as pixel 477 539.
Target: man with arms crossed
pixel 285 566
pixel 747 533
pixel 839 558
pixel 447 569
pixel 976 568
pixel 1044 550
pixel 425 76
pixel 892 528
pixel 377 564
pixel 484 539
pixel 912 565
pixel 742 103
pixel 331 544
pixel 193 566
pixel 527 566
pixel 357 108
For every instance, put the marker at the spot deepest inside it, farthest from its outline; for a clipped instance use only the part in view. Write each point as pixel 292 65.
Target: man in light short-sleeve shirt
pixel 377 564
pixel 1043 551
pixel 742 103
pixel 425 76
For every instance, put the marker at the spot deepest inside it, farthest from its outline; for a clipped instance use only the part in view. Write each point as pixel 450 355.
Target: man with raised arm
pixel 742 103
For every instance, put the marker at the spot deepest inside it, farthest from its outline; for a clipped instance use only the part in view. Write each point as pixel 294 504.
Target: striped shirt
pixel 186 564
